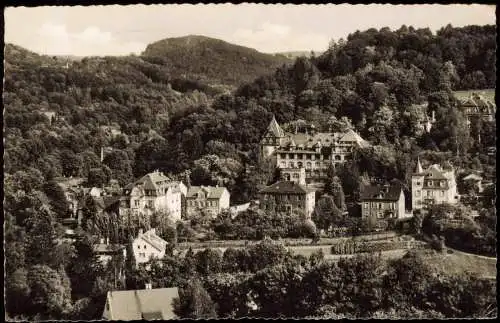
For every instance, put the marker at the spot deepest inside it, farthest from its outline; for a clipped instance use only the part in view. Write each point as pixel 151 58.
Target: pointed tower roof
pixel 275 128
pixel 418 169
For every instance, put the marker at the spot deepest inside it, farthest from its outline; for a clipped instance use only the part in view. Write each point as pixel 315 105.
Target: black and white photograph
pixel 228 161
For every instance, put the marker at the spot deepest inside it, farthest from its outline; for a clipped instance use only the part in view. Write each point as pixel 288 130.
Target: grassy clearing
pixel 459 262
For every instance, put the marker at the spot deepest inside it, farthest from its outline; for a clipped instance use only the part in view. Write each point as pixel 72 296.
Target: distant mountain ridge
pixel 212 60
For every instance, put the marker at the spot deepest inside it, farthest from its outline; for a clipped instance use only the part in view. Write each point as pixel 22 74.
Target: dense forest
pixel 177 121
pixel 211 61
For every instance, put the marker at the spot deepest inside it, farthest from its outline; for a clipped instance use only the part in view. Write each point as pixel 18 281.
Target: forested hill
pixel 172 123
pixel 211 61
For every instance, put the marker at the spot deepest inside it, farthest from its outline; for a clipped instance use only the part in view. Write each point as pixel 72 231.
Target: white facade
pixel 154 193
pixel 148 245
pixel 434 185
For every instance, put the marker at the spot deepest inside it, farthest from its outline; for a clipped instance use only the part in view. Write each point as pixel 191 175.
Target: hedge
pixel 351 247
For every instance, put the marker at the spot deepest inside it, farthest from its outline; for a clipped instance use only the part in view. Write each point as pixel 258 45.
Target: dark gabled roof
pixel 435 172
pixel 210 192
pixel 322 139
pixel 150 181
pixel 381 192
pixel 286 187
pixel 275 129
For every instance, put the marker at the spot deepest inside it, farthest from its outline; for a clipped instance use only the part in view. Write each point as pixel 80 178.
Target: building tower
pixel 272 139
pixel 417 183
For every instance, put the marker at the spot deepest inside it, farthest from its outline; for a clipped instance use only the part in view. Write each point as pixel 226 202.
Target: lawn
pixel 460 262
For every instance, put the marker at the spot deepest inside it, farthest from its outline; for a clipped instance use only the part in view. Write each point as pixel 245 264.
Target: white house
pixel 434 185
pixel 154 192
pixel 148 245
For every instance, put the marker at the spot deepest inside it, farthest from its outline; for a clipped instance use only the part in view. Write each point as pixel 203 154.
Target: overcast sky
pixel 121 30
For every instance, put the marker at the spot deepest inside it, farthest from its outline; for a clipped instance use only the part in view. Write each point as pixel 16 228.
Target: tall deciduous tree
pixel 50 291
pixel 194 302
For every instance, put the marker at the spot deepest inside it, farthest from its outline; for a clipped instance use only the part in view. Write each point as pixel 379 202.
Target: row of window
pixel 284 197
pixel 202 203
pixel 379 205
pixel 435 183
pixel 308 156
pixel 308 164
pixel 429 193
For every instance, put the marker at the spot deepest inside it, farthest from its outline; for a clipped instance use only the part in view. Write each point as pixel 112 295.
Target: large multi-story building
pixel 383 202
pixel 153 192
pixel 313 151
pixel 434 185
pixel 289 194
pixel 207 198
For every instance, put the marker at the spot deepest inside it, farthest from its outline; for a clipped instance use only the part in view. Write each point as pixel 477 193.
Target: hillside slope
pixel 210 60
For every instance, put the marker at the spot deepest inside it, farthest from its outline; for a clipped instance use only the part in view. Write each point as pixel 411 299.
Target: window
pixel 442 193
pixel 299 164
pixel 295 175
pixel 292 165
pixel 366 205
pixel 380 205
pixel 418 183
pixel 417 193
pixel 337 157
pixel 317 164
pixel 308 165
pixel 136 202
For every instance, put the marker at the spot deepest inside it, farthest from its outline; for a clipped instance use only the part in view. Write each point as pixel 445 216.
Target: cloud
pixel 55 39
pixel 270 37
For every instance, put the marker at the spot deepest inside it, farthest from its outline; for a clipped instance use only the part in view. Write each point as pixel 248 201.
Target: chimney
pixel 101 240
pixel 140 231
